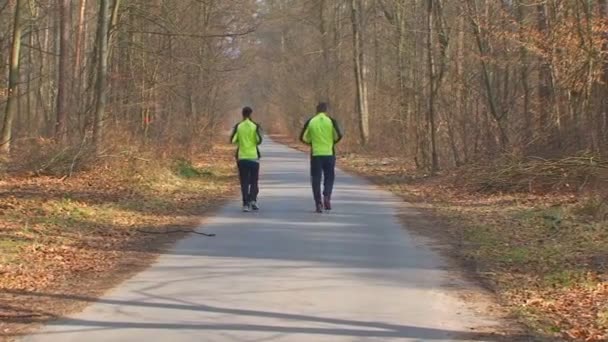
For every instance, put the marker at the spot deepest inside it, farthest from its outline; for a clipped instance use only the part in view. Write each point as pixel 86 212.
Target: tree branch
pixel 198 36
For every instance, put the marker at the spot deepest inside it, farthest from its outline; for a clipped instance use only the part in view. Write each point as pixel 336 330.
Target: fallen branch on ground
pixel 176 231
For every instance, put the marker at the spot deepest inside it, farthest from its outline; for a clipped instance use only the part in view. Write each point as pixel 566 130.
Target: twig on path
pixel 177 231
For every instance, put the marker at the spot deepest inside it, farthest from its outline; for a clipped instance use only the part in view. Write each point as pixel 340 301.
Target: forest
pixel 446 103
pixel 452 82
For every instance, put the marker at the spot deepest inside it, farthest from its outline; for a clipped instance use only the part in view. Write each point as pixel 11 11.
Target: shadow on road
pixel 343 327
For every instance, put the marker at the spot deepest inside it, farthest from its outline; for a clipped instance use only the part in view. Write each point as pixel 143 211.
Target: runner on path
pixel 322 133
pixel 247 136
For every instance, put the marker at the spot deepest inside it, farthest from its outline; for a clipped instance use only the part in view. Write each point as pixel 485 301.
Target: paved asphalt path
pixel 287 274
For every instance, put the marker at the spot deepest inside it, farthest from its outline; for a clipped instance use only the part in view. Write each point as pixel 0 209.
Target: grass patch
pixel 594 208
pixel 10 248
pixel 562 278
pixel 602 317
pixel 185 169
pixel 517 255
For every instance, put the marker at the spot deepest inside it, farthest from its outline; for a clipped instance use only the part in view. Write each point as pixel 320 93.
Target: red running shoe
pixel 327 203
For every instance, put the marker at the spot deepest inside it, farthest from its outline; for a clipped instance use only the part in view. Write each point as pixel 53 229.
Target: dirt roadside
pixel 66 242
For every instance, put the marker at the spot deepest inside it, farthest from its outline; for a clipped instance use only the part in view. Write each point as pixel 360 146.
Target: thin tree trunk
pixel 102 73
pixel 432 86
pixel 13 90
pixel 462 119
pixel 603 127
pixel 528 124
pixel 113 26
pixel 30 59
pixel 404 104
pixel 62 82
pixel 45 97
pixel 337 54
pixel 498 117
pixel 78 72
pixel 377 59
pixel 80 36
pixel 359 68
pixel 324 96
pixel 544 91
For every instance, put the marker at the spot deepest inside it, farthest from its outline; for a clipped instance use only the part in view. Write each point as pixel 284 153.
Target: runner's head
pixel 247 111
pixel 322 107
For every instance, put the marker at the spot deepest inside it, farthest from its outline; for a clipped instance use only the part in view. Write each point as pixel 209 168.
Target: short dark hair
pixel 247 111
pixel 322 107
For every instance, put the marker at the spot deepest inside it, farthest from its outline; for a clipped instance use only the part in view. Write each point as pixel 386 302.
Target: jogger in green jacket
pixel 322 133
pixel 247 136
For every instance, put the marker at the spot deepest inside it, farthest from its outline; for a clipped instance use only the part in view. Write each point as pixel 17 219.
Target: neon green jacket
pixel 247 136
pixel 322 133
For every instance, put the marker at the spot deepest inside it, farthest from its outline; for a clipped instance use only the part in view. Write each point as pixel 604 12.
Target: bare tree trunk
pixel 359 68
pixel 487 79
pixel 524 75
pixel 102 73
pixel 80 36
pixel 112 29
pixel 432 86
pixel 603 12
pixel 13 90
pixel 79 72
pixel 462 119
pixel 377 60
pixel 336 56
pixel 325 51
pixel 402 71
pixel 62 82
pixel 544 91
pixel 30 59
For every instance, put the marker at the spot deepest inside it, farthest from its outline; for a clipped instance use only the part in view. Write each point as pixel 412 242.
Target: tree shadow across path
pixel 340 328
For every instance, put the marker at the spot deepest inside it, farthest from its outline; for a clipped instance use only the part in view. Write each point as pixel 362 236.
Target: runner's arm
pixel 305 135
pixel 234 137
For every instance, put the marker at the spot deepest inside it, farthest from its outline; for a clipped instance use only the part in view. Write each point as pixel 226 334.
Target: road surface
pixel 287 274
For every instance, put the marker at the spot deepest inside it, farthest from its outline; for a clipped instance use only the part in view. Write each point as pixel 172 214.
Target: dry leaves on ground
pixel 543 252
pixel 65 236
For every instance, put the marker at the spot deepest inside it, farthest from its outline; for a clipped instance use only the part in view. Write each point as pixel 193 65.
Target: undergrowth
pixel 517 174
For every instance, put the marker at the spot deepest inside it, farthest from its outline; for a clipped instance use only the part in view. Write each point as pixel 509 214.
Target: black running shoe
pixel 319 207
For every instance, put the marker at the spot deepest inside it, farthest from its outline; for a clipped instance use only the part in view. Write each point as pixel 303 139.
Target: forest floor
pixel 544 254
pixel 88 232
